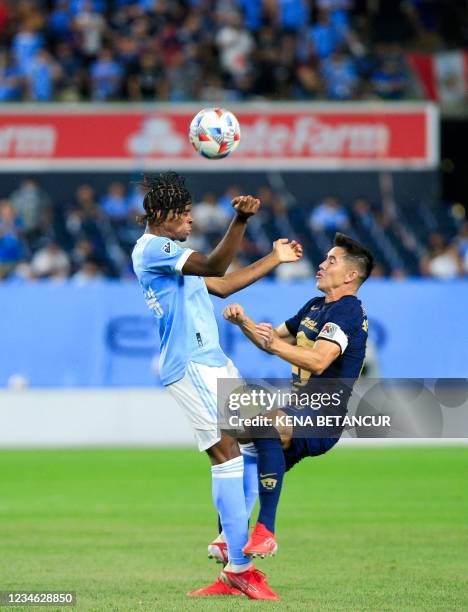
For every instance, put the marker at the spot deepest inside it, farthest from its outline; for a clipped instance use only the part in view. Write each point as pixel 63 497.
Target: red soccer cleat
pixel 218 551
pixel 252 583
pixel 217 588
pixel 262 543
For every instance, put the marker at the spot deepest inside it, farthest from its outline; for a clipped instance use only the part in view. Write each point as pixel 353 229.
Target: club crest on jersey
pixel 166 247
pixel 268 483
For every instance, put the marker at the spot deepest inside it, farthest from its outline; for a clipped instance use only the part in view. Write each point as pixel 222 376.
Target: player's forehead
pixel 176 215
pixel 187 209
pixel 336 253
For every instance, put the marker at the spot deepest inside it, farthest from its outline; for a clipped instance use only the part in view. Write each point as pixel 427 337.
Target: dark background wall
pixel 306 187
pixel 454 156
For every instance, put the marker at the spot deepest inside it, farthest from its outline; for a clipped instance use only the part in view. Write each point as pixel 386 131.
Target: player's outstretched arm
pixel 315 359
pixel 234 313
pixel 219 260
pixel 283 252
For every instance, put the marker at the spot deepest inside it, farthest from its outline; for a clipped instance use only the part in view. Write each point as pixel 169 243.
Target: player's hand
pixel 286 251
pixel 268 336
pixel 234 313
pixel 245 206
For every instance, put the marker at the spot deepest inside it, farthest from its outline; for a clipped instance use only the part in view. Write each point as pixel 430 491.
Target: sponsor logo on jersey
pixel 310 324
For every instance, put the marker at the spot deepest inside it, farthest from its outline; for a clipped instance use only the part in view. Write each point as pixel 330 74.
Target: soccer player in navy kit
pixel 325 342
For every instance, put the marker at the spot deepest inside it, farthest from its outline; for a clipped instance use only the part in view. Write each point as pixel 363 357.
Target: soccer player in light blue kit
pixel 176 283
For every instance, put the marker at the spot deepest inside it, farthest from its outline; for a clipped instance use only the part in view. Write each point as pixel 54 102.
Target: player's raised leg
pixel 283 447
pixel 271 466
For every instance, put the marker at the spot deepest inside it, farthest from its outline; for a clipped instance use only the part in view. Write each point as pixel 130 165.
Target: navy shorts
pixel 302 445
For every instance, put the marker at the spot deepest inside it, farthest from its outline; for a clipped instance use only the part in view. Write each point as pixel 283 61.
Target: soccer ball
pixel 214 133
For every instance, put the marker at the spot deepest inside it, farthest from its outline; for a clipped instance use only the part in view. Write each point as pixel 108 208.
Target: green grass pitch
pixel 359 529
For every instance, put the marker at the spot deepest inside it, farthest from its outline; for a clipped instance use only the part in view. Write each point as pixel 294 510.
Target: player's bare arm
pixel 283 252
pixel 218 261
pixel 315 359
pixel 234 313
pixel 283 332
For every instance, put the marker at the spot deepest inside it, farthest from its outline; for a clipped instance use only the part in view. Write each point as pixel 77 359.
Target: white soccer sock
pixel 238 569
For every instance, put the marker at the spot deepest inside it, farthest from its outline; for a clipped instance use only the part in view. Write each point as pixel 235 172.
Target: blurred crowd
pixel 219 50
pixel 91 237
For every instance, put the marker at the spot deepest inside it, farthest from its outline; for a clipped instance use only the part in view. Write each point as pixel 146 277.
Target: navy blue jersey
pixel 343 322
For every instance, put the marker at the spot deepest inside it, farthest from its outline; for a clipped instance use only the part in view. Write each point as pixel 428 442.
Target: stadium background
pixel 78 358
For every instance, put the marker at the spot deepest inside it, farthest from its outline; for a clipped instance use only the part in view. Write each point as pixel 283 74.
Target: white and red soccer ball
pixel 214 133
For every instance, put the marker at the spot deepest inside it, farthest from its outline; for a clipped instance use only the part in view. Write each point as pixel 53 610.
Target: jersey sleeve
pixel 343 320
pixel 165 256
pixel 293 323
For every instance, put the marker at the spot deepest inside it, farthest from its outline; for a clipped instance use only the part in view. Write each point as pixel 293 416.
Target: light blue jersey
pixel 181 305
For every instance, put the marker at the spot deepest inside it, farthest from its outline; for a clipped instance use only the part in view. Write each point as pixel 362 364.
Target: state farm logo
pixel 270 136
pixel 157 135
pixel 27 140
pixel 308 136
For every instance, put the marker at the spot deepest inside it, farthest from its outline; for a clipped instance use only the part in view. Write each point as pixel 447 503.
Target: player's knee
pixel 271 432
pixel 224 450
pixel 264 432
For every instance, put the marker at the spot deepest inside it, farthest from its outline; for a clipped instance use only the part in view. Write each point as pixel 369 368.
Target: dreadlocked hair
pixel 164 193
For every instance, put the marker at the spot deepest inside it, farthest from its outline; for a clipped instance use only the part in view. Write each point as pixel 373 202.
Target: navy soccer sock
pixel 271 467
